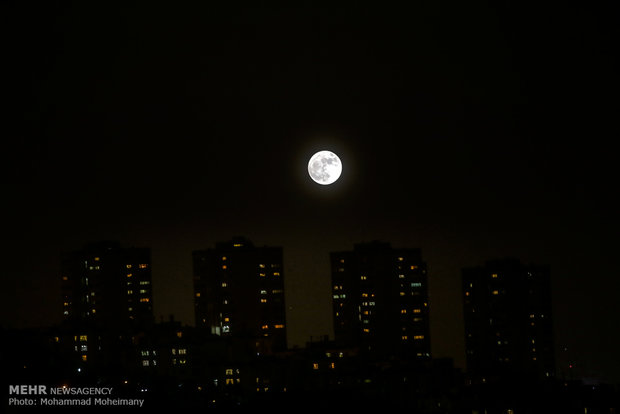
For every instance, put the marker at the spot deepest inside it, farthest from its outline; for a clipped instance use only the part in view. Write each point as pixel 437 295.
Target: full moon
pixel 324 167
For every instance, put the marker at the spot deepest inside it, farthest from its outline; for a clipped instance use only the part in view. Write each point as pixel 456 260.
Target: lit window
pixel 182 351
pixel 129 309
pixel 280 326
pixel 224 284
pixel 145 362
pixel 223 257
pixel 495 292
pixel 364 295
pixel 418 337
pixel 494 275
pixel 413 267
pixel 404 337
pixel 227 319
pixel 238 245
pixel 142 266
pixel 417 311
pixel 85 348
pixel 83 338
pixel 403 311
pixel 130 292
pixel 173 351
pixel 332 365
pixel 129 274
pixel 341 260
pixel 402 293
pixel 276 273
pixel 128 266
pixel 179 334
pixel 366 330
pixel 65 278
pixel 84 358
pixel 198 294
pixel 145 300
pixel 263 300
pixel 224 267
pixel 315 366
pixel 400 259
pixel 362 277
pixel 466 293
pixel 265 327
pixel 261 274
pixel 262 266
pixel 280 290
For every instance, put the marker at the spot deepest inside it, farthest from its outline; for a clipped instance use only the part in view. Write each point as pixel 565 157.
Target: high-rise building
pixel 239 292
pixel 380 299
pixel 508 324
pixel 107 286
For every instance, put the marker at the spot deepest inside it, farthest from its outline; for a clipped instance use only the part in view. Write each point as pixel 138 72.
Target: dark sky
pixel 472 131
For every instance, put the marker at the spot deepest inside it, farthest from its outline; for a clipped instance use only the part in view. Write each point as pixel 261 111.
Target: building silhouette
pixel 380 299
pixel 239 292
pixel 508 322
pixel 105 285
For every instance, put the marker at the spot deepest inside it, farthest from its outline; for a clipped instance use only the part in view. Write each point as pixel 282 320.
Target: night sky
pixel 473 131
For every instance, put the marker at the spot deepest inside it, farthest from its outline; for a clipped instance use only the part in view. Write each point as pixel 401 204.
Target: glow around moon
pixel 324 167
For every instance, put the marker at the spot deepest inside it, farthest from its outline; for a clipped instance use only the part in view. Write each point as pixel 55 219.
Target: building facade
pixel 508 322
pixel 380 299
pixel 239 291
pixel 107 286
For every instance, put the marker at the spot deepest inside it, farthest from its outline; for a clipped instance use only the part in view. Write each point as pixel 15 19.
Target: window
pixel 417 311
pixel 413 267
pixel 224 267
pixel 129 274
pixel 182 351
pixel 128 266
pixel 495 292
pixel 494 275
pixel 265 327
pixel 263 300
pixel 400 259
pixel 145 300
pixel 224 284
pixel 223 258
pixel 83 338
pixel 416 284
pixel 145 362
pixel 315 366
pixel 262 266
pixel 418 337
pixel 362 277
pixel 403 311
pixel 84 358
pixel 404 337
pixel 279 326
pixel 276 273
pixel 142 266
pixel 179 334
pixel 130 292
pixel 197 294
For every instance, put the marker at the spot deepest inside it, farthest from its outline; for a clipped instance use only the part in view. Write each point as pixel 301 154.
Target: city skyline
pixel 471 131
